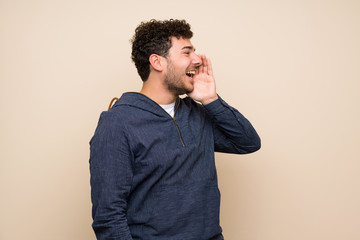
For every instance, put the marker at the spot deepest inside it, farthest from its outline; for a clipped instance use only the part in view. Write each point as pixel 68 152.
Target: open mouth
pixel 191 73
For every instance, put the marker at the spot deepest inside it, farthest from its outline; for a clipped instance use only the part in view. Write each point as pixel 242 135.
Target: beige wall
pixel 292 67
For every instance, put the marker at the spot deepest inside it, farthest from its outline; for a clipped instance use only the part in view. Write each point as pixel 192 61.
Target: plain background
pixel 291 67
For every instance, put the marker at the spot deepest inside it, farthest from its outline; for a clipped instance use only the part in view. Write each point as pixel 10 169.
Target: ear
pixel 156 62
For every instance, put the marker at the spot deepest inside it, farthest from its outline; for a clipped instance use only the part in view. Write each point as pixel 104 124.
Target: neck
pixel 157 92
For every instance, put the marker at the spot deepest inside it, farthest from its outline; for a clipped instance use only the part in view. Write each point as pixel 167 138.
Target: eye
pixel 187 53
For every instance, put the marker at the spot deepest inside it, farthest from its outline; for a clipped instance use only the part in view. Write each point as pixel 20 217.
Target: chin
pixel 189 89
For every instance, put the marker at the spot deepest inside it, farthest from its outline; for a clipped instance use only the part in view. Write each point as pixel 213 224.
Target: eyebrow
pixel 188 47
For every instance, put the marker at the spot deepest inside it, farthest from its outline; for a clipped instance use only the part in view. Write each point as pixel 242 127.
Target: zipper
pixel 176 125
pixel 174 119
pixel 178 130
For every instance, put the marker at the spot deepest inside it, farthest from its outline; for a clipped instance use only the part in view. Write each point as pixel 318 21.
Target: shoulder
pixel 112 116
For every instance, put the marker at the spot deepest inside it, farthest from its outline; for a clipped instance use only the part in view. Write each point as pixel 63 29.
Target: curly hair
pixel 154 37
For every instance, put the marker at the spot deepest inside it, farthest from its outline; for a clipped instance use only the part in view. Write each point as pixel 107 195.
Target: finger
pixel 205 65
pixel 209 67
pixel 201 68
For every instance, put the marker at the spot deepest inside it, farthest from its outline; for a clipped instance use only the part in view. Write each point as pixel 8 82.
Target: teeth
pixel 191 73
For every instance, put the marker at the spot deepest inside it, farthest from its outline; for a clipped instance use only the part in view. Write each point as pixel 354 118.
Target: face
pixel 182 64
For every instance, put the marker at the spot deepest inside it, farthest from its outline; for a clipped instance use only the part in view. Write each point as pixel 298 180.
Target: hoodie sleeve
pixel 233 133
pixel 110 178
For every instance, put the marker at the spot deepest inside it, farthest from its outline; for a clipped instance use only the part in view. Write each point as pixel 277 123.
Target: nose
pixel 196 60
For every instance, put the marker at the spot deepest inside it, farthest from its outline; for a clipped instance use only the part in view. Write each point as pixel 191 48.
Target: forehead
pixel 181 43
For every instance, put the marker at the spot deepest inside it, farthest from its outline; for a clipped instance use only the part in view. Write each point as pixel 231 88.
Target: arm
pixel 111 176
pixel 233 133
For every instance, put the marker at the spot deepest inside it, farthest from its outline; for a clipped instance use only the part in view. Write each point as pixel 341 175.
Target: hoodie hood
pixel 140 101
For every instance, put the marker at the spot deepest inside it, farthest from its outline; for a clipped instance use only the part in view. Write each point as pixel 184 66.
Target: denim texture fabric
pixel 153 177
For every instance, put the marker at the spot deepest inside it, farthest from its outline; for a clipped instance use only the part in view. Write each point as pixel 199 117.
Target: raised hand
pixel 204 83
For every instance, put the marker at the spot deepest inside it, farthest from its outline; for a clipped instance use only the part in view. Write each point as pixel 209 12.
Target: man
pixel 152 162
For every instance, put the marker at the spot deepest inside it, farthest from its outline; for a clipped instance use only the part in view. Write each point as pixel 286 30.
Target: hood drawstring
pixel 112 101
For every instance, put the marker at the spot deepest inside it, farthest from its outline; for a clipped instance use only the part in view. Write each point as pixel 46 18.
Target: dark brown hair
pixel 154 37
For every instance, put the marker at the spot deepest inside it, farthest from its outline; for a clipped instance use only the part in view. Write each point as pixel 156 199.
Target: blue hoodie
pixel 153 176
